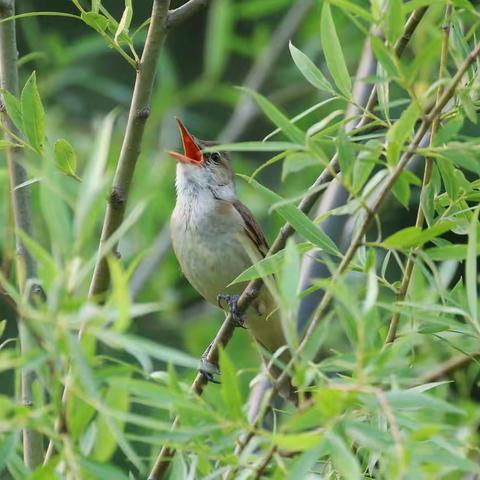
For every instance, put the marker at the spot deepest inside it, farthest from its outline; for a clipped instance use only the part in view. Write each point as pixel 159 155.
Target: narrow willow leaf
pixel 95 20
pixel 471 278
pixel 230 388
pixel 66 158
pixel 255 147
pixel 384 56
pixel 333 52
pixel 400 131
pixel 118 399
pixel 14 109
pixel 414 236
pixel 298 220
pixel 33 115
pixel 353 8
pixel 269 265
pixel 343 459
pixel 124 23
pixel 309 70
pixel 394 21
pixel 278 118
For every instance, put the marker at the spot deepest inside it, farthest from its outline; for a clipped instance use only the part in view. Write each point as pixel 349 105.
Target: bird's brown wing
pixel 252 228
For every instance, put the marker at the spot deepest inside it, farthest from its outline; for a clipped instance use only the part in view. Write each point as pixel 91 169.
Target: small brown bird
pixel 214 235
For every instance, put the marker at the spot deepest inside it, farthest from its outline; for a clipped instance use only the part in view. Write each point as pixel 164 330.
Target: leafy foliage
pixel 376 411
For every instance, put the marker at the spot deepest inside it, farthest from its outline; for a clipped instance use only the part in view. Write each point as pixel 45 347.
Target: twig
pixel 252 291
pixel 26 270
pixel 407 275
pixel 137 117
pixel 370 215
pixel 180 14
pixel 444 370
pixel 245 108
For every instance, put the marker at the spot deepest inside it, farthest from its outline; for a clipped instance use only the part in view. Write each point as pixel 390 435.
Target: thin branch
pixel 25 265
pixel 370 215
pixel 252 290
pixel 180 14
pixel 446 369
pixel 407 275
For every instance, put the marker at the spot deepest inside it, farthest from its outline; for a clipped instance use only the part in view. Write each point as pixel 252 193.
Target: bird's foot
pixel 208 369
pixel 232 302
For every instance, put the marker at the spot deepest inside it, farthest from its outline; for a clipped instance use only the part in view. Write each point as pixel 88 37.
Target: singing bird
pixel 215 238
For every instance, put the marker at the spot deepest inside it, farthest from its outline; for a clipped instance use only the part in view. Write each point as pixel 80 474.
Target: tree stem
pixel 20 200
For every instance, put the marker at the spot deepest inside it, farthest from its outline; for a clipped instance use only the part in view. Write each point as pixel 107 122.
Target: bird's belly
pixel 211 262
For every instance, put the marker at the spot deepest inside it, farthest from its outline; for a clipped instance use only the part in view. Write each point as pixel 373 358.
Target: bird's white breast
pixel 208 239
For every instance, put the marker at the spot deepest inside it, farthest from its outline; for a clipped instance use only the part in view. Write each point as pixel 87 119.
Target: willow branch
pixel 446 369
pixel 20 198
pixel 180 14
pixel 407 274
pixel 251 292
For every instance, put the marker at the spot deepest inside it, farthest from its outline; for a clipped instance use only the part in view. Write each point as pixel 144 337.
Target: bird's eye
pixel 215 157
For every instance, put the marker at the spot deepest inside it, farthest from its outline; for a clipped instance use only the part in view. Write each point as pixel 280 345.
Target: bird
pixel 215 238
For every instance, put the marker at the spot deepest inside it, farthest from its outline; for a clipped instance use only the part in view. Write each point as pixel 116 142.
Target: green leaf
pixel 268 265
pixel 394 21
pixel 333 52
pixel 14 109
pixel 309 70
pixel 217 38
pixel 346 155
pixel 296 162
pixel 342 458
pixel 411 399
pixel 400 131
pixel 277 117
pixel 66 158
pixel 448 252
pixel 384 56
pixel 230 388
pixel 471 278
pixel 401 190
pixel 353 8
pixel 135 345
pixel 94 469
pixel 255 147
pixel 414 236
pixel 33 115
pixel 297 441
pixel 117 398
pixel 95 20
pixel 298 220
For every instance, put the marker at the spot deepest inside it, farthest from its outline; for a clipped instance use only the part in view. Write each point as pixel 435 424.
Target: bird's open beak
pixel 192 153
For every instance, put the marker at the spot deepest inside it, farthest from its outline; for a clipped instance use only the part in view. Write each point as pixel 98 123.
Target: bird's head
pixel 203 170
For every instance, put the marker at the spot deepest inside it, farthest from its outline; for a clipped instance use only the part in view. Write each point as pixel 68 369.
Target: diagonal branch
pixel 180 14
pixel 252 290
pixel 26 270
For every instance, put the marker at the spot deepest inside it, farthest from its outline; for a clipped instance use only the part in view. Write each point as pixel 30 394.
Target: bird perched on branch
pixel 216 237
